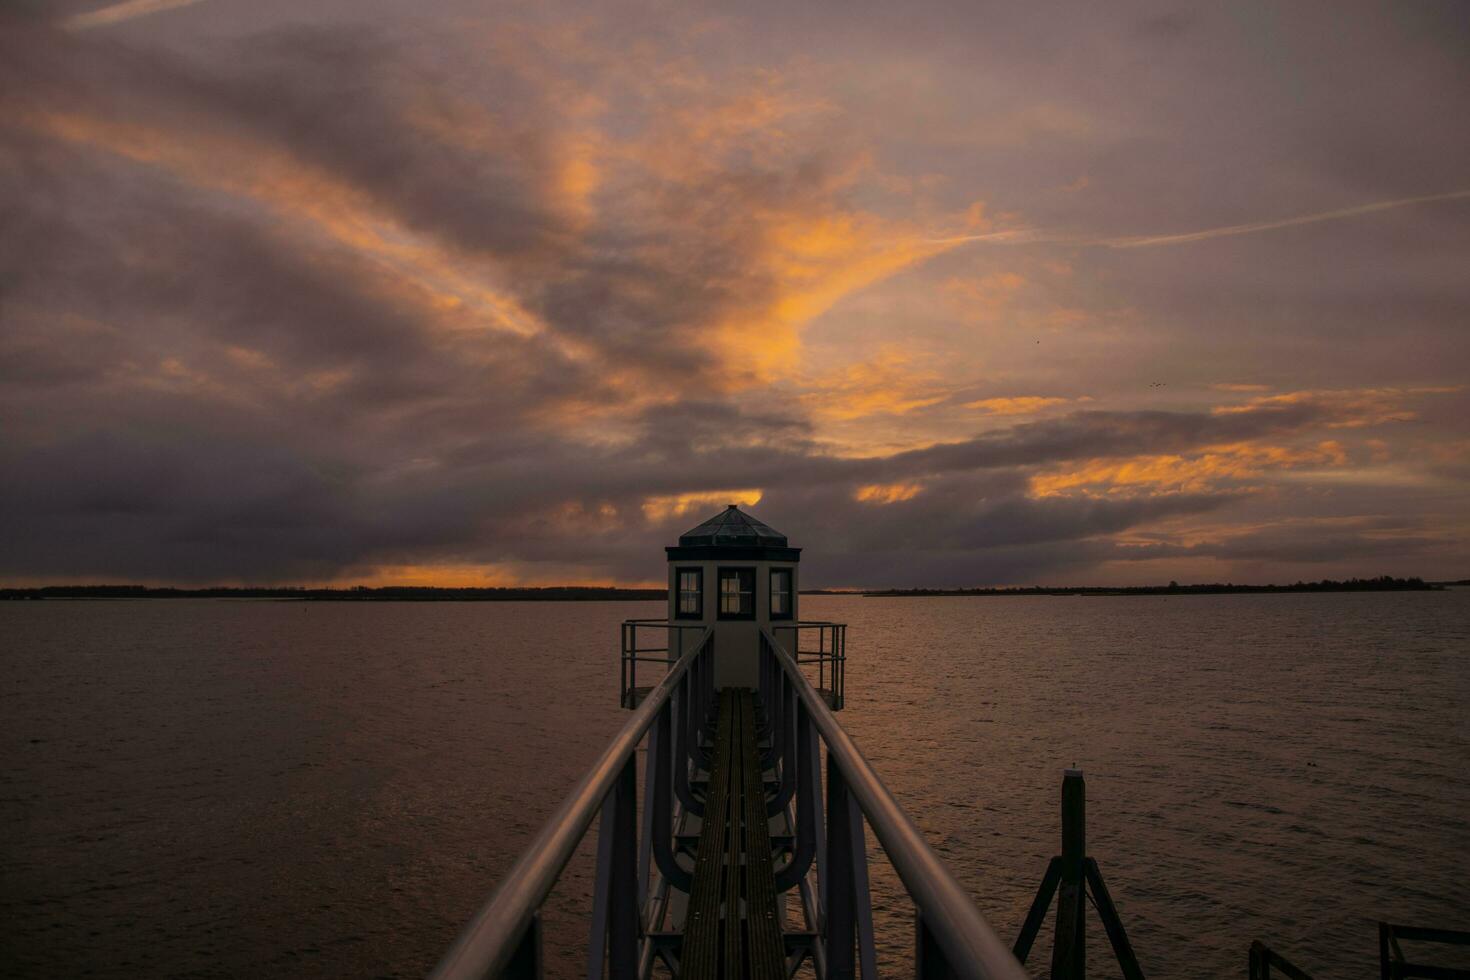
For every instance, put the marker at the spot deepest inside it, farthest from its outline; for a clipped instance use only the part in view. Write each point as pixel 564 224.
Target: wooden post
pixel 1069 952
pixel 1074 875
pixel 1112 922
pixel 1039 907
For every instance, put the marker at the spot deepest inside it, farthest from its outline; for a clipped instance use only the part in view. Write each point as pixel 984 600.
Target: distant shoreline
pixel 579 593
pixel 1382 584
pixel 572 593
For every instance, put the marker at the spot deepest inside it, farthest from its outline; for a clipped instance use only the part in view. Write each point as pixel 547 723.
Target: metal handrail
pixel 971 948
pixel 629 660
pixel 830 655
pixel 490 941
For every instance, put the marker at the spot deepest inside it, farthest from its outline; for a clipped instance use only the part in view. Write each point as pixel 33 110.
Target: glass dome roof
pixel 732 528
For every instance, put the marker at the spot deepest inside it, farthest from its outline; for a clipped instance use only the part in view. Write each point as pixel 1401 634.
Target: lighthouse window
pixel 780 593
pixel 691 594
pixel 737 593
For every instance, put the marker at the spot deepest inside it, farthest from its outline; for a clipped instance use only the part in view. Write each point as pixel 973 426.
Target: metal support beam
pixel 527 961
pixel 615 923
pixel 841 920
pixel 808 814
pixel 930 962
pixel 791 754
pixel 645 836
pixel 685 729
pixel 623 920
pixel 861 893
pixel 663 831
pixel 601 891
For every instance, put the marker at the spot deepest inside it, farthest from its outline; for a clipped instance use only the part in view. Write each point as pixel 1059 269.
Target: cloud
pixel 1208 470
pixel 119 12
pixel 1310 541
pixel 1352 408
pixel 887 383
pixel 1037 236
pixel 1338 214
pixel 1017 405
pixel 517 300
pixel 692 506
pixel 887 493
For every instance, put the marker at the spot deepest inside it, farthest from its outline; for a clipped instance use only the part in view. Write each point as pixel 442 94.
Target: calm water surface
pixel 213 788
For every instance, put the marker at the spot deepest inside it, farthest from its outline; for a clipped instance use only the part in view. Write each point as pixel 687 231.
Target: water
pixel 197 788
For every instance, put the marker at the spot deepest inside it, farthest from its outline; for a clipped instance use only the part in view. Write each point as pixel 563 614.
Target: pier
pixel 740 848
pixel 690 887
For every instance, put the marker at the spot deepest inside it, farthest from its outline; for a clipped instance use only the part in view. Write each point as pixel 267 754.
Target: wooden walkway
pixel 733 927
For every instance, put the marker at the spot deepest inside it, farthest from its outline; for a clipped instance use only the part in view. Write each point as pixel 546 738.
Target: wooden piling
pixel 1069 951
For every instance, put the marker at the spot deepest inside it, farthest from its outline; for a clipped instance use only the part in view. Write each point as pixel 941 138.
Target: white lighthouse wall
pixel 737 641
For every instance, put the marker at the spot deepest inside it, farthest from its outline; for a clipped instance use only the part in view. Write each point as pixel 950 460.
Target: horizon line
pixel 102 587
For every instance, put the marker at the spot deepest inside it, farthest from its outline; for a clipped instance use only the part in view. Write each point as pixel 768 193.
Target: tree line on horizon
pixel 358 593
pixel 573 593
pixel 1382 583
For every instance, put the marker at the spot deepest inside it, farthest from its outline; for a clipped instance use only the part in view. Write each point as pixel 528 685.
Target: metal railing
pixel 952 938
pixel 1266 963
pixel 830 656
pixel 1393 965
pixel 504 938
pixel 672 633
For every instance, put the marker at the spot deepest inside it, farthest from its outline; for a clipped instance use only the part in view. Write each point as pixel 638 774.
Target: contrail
pixel 119 12
pixel 1018 236
pixel 1145 241
pixel 1033 236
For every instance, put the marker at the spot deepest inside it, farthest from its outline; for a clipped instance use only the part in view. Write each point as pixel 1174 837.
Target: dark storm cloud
pixel 1361 542
pixel 203 378
pixel 368 111
pixel 474 168
pixel 348 100
pixel 1084 435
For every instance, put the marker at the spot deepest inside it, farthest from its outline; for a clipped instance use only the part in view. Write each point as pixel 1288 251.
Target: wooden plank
pixel 699 955
pixel 734 960
pixel 765 948
pixel 733 868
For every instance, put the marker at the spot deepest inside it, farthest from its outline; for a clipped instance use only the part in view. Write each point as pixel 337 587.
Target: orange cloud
pixel 816 262
pixel 445 286
pixel 1353 407
pixel 473 575
pixel 800 244
pixel 887 493
pixel 1204 472
pixel 1021 405
pixel 888 383
pixel 979 299
pixel 455 575
pixel 663 508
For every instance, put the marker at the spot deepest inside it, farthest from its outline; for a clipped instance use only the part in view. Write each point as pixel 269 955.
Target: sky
pixel 952 294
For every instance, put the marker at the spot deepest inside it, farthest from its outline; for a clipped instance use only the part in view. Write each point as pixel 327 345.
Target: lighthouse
pixel 735 575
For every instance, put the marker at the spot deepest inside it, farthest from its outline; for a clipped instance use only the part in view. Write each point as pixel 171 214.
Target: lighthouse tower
pixel 734 574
